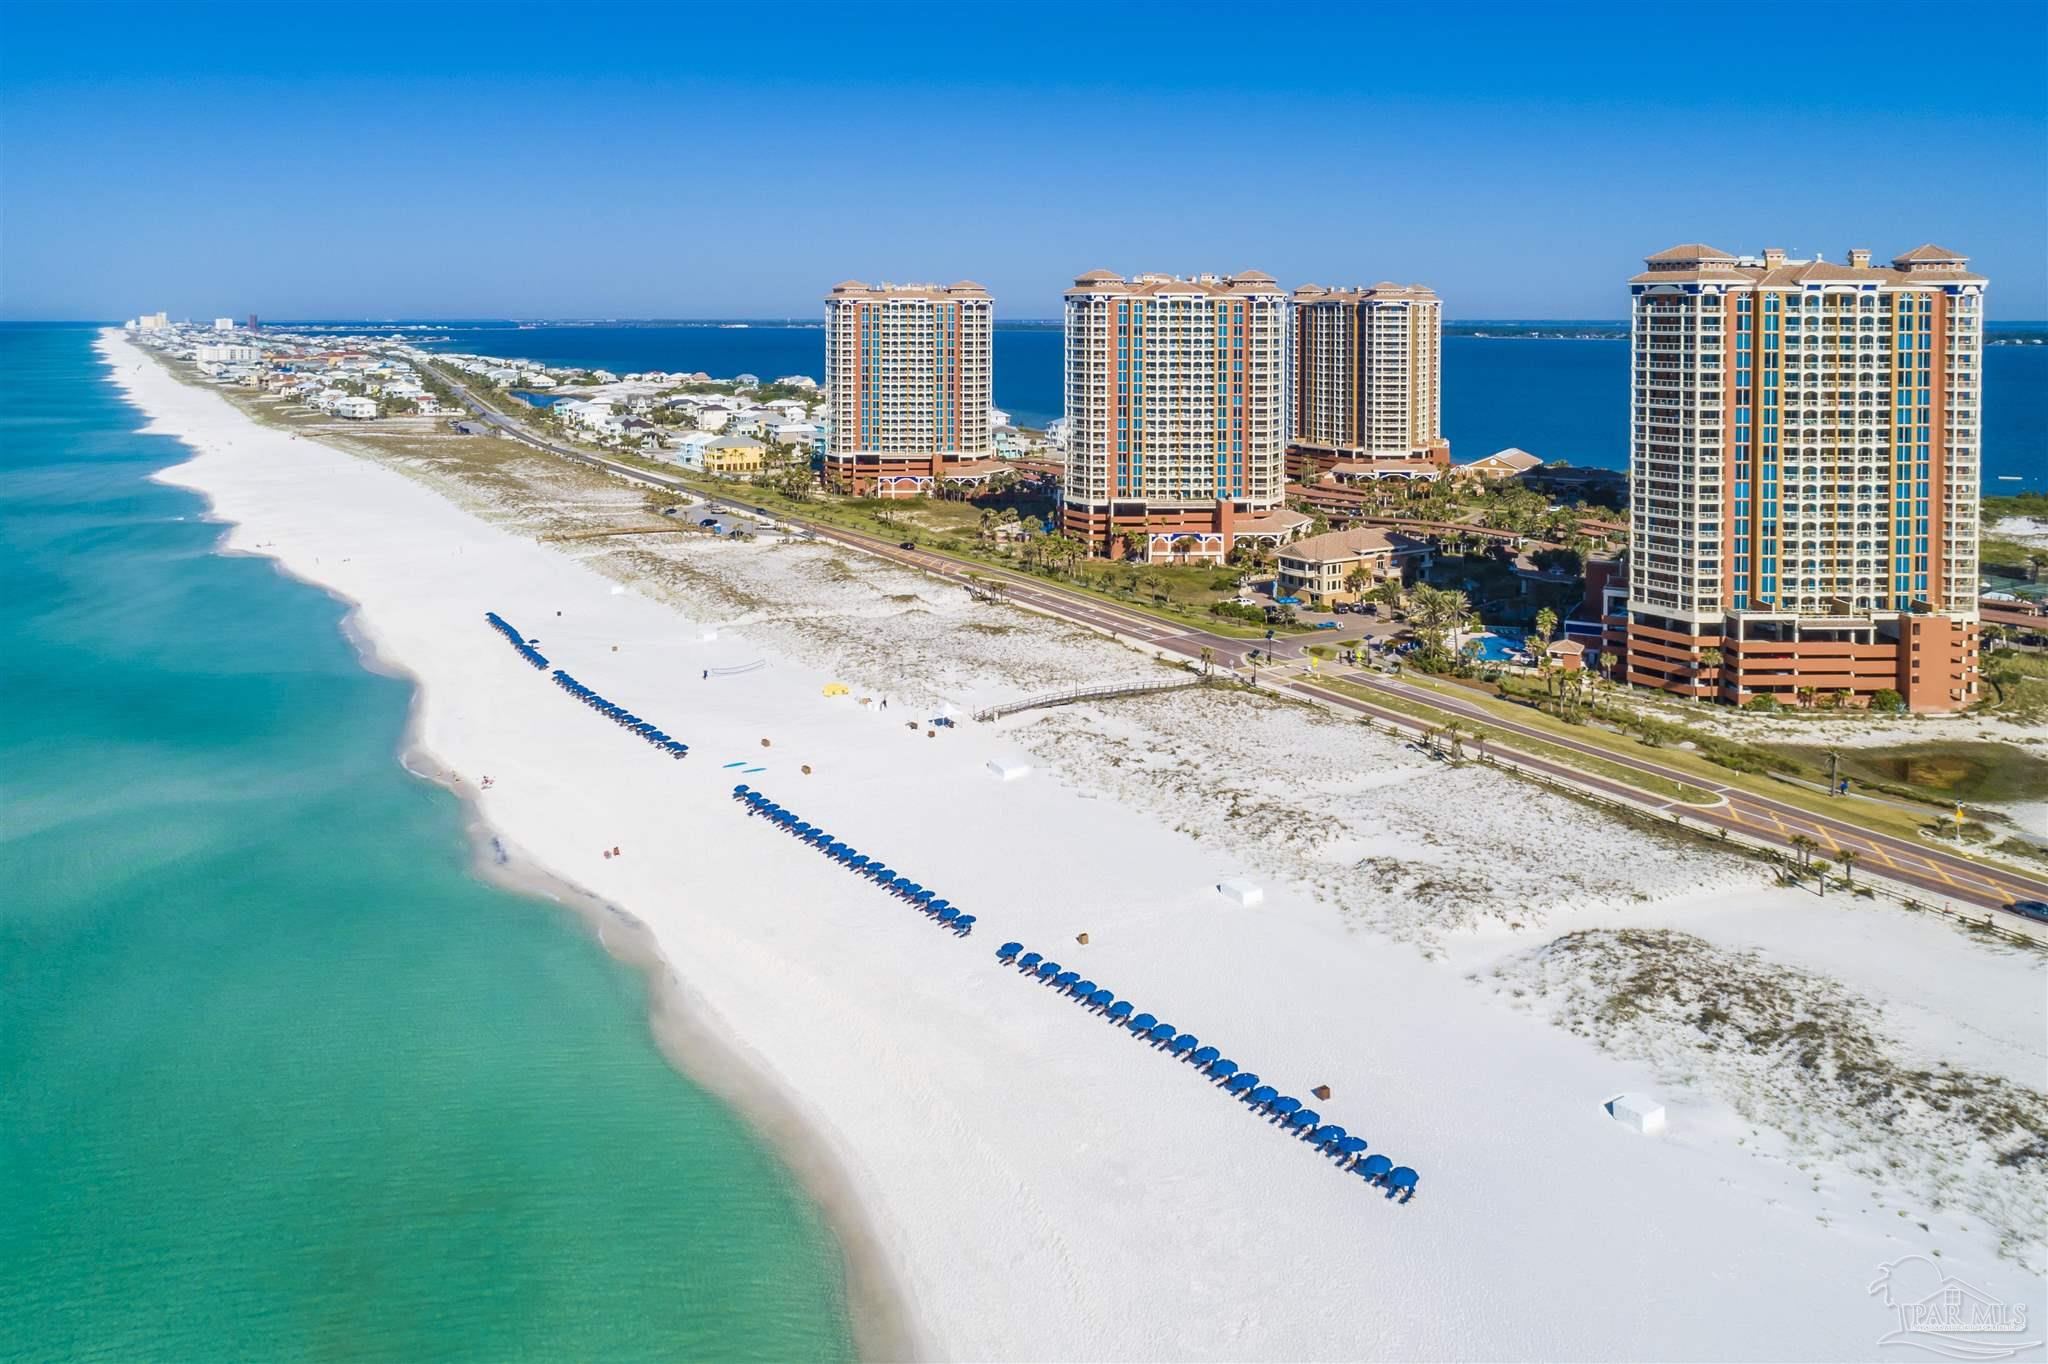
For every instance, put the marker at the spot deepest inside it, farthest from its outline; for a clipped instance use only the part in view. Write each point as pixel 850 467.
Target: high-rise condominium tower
pixel 1367 398
pixel 907 374
pixel 1175 414
pixel 1803 473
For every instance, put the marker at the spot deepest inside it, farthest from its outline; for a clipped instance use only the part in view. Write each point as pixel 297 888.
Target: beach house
pixel 734 457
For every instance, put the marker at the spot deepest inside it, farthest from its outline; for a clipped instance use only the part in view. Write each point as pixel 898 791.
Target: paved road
pixel 1926 865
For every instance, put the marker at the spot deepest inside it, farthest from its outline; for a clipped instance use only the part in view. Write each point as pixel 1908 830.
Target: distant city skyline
pixel 636 162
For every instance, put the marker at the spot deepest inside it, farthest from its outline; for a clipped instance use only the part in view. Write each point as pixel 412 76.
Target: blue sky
pixel 636 161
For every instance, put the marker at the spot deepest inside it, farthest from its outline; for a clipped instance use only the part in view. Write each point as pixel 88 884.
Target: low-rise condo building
pixel 907 372
pixel 1175 415
pixel 1803 471
pixel 1368 395
pixel 1346 564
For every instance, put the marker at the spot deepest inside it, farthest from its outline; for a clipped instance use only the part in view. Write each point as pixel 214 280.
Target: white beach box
pixel 706 635
pixel 1009 768
pixel 1244 892
pixel 1639 1111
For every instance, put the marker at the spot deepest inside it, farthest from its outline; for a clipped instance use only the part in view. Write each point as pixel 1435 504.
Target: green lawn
pixel 1658 788
pixel 1879 816
pixel 1941 772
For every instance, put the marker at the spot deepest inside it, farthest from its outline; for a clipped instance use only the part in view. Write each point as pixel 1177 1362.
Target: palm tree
pixel 1710 662
pixel 1545 628
pixel 1804 846
pixel 1848 856
pixel 1438 613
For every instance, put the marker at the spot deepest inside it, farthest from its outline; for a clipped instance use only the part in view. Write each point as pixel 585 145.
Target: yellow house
pixel 735 457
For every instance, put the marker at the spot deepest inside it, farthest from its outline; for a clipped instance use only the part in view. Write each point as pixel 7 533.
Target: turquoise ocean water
pixel 279 1078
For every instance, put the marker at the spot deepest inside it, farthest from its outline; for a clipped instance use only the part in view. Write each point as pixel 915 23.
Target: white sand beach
pixel 1471 966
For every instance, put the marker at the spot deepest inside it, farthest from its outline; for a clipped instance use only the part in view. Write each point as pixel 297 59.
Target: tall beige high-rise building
pixel 1175 403
pixel 1803 470
pixel 908 373
pixel 1368 394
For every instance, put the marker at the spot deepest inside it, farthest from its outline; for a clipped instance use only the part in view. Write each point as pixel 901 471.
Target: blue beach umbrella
pixel 1402 1177
pixel 1304 1118
pixel 1238 1084
pixel 948 915
pixel 1186 1042
pixel 1264 1094
pixel 1372 1167
pixel 1029 961
pixel 1285 1104
pixel 1066 978
pixel 1205 1056
pixel 1120 1010
pixel 1162 1032
pixel 1008 950
pixel 1223 1070
pixel 963 924
pixel 1084 989
pixel 1048 969
pixel 1328 1134
pixel 1350 1146
pixel 1143 1023
pixel 1103 995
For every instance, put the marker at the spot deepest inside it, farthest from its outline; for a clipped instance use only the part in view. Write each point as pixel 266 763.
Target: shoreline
pixel 1039 1188
pixel 880 1323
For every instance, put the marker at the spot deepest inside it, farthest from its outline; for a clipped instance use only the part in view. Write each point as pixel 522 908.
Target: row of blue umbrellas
pixel 927 902
pixel 620 716
pixel 1285 1110
pixel 526 651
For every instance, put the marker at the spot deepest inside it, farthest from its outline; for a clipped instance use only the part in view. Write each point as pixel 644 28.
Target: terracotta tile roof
pixel 1699 251
pixel 855 289
pixel 1698 264
pixel 1255 282
pixel 1316 293
pixel 1350 544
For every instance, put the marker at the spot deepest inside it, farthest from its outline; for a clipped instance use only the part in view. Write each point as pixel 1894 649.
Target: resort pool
pixel 1497 648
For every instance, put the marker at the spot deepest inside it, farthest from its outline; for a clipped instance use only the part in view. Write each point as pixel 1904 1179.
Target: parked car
pixel 1327 625
pixel 908 544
